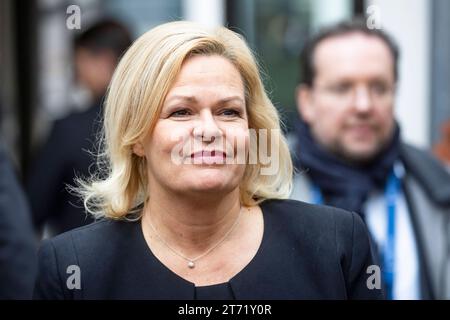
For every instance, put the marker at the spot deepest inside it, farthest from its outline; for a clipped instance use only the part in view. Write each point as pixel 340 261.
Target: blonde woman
pixel 190 205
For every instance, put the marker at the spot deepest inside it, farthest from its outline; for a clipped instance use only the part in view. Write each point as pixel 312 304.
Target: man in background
pixel 66 155
pixel 350 154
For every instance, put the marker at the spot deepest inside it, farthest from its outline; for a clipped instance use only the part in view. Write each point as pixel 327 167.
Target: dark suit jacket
pixel 307 252
pixel 64 157
pixel 18 246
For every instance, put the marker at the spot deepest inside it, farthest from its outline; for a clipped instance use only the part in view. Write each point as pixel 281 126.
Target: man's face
pixel 94 70
pixel 349 107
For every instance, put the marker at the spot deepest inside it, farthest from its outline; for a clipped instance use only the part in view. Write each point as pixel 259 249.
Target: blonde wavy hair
pixel 135 97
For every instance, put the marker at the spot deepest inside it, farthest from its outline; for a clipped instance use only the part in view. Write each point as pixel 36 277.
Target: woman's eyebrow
pixel 230 99
pixel 183 98
pixel 194 100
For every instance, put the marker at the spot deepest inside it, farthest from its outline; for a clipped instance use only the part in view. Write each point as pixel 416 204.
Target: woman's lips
pixel 209 157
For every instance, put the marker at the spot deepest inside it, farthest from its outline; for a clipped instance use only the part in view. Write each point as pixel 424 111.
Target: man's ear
pixel 138 149
pixel 303 97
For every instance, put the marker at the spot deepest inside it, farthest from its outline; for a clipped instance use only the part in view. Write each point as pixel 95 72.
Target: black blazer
pixel 307 252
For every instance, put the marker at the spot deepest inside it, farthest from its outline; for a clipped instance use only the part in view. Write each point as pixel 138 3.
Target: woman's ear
pixel 138 149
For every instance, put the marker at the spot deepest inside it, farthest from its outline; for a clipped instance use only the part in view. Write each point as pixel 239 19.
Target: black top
pixel 307 252
pixel 222 291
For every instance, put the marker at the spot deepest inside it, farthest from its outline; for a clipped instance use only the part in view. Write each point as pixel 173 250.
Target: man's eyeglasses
pixel 347 92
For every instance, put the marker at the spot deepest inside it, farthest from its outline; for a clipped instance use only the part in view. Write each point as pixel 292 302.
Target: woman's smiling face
pixel 200 141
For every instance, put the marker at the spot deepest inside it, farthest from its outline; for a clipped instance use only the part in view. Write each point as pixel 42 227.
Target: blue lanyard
pixel 393 186
pixel 391 193
pixel 317 197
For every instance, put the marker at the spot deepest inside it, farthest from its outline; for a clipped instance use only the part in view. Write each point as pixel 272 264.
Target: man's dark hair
pixel 105 35
pixel 358 25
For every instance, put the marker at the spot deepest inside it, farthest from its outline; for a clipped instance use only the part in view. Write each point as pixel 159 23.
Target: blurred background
pixel 37 81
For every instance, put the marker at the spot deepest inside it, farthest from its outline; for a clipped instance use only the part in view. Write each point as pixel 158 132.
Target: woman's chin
pixel 210 180
pixel 210 185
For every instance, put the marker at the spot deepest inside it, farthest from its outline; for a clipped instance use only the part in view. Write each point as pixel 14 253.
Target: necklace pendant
pixel 191 264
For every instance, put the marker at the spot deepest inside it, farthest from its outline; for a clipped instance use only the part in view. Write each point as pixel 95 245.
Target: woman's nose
pixel 207 128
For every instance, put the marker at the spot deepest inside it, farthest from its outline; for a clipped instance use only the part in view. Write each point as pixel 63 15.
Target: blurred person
pixel 442 148
pixel 181 216
pixel 66 154
pixel 349 154
pixel 18 260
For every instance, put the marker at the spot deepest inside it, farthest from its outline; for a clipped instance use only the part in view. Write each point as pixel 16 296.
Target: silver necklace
pixel 191 262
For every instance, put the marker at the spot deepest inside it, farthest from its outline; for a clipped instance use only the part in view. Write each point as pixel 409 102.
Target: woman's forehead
pixel 201 75
pixel 213 67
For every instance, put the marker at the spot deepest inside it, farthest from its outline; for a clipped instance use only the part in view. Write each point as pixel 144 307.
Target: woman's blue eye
pixel 180 113
pixel 186 112
pixel 230 112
